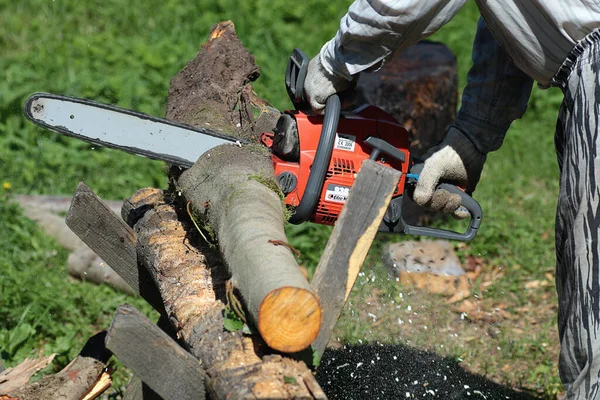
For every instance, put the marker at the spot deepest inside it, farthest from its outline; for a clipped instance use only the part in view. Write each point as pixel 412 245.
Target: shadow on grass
pixel 400 372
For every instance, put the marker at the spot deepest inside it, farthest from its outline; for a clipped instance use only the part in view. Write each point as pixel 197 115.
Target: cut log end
pixel 289 319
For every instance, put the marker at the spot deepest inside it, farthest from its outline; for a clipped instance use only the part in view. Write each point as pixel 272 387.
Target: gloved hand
pixel 321 83
pixel 455 160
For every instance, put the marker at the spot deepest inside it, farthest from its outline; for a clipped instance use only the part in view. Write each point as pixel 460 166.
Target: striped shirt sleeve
pixel 372 29
pixel 496 94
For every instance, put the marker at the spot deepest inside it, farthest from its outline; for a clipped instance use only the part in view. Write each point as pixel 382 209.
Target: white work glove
pixel 455 160
pixel 321 83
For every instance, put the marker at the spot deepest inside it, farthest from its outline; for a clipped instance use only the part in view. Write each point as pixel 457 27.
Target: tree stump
pixel 418 87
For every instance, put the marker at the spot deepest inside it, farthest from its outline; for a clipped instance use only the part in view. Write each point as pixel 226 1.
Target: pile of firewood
pixel 212 249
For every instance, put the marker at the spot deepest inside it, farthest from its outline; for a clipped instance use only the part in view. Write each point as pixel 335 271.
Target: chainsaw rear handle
pixel 466 201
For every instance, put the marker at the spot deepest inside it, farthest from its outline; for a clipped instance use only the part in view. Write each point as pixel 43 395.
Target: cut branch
pixel 191 278
pixel 246 215
pixel 76 380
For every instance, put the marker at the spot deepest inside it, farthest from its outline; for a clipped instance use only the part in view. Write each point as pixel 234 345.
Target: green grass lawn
pixel 123 53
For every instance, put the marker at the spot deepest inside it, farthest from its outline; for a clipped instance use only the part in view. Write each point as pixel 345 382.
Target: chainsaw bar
pixel 134 132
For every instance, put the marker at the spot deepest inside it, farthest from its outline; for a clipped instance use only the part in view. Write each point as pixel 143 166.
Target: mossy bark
pixel 243 215
pixel 247 217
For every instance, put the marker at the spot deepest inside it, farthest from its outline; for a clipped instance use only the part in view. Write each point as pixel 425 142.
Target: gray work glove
pixel 454 160
pixel 321 83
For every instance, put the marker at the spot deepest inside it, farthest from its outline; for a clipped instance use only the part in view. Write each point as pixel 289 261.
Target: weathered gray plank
pixel 156 359
pixel 138 390
pixel 112 239
pixel 349 243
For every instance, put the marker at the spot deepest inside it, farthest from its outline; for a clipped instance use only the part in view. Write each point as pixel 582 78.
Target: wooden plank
pixel 349 243
pixel 112 239
pixel 156 359
pixel 138 390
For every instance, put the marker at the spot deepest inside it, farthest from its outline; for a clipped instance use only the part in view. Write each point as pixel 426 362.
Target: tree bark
pixel 192 280
pixel 233 200
pixel 233 192
pixel 76 380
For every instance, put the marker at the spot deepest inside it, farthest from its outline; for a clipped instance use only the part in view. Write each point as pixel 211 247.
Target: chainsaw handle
pixel 320 165
pixel 295 74
pixel 467 202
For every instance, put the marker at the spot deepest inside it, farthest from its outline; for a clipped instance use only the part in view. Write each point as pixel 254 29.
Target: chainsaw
pixel 316 157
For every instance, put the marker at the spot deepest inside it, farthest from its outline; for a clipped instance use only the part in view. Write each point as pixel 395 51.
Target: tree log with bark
pixel 234 195
pixel 85 377
pixel 231 196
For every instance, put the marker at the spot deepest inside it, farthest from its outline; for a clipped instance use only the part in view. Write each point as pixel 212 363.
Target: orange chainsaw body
pixel 349 152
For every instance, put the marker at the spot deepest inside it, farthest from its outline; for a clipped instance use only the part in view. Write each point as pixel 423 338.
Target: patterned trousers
pixel 577 143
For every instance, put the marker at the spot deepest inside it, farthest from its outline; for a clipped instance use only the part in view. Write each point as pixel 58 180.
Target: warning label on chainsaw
pixel 337 194
pixel 344 142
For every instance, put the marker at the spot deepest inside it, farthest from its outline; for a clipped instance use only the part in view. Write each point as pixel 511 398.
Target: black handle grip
pixel 295 74
pixel 333 109
pixel 466 201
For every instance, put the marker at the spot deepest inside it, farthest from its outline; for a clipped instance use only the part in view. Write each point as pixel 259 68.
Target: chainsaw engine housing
pixel 293 164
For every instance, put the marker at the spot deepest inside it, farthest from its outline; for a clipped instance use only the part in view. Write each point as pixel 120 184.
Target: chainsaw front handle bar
pixel 314 186
pixel 295 74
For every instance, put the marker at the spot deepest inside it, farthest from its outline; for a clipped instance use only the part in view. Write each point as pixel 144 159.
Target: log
pixel 76 380
pixel 233 192
pixel 112 239
pixel 349 243
pixel 191 277
pixel 245 214
pixel 154 357
pixel 188 268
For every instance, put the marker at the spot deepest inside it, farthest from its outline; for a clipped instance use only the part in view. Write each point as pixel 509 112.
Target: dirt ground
pixel 394 341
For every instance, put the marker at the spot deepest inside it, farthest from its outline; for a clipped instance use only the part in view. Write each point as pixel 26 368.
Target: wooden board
pixel 112 239
pixel 156 359
pixel 138 390
pixel 349 243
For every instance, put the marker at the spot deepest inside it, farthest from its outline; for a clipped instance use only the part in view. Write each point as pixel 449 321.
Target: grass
pixel 118 52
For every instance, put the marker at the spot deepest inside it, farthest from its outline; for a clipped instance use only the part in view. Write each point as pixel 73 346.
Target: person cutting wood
pixel 557 44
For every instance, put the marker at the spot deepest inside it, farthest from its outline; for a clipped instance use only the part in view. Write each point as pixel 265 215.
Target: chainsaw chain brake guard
pixel 295 75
